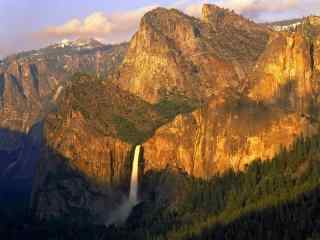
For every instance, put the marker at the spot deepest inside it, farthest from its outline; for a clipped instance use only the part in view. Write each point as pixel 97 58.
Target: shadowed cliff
pixel 31 183
pixel 17 170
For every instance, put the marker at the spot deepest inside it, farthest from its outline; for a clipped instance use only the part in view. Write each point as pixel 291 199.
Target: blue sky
pixel 29 24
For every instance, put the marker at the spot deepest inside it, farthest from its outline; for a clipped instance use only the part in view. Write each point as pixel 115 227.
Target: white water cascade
pixel 57 94
pixel 121 214
pixel 133 196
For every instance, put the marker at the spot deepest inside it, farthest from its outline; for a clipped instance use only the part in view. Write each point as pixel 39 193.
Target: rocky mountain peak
pixel 160 14
pixel 220 18
pixel 211 11
pixel 171 53
pixel 167 22
pixel 314 20
pixel 201 95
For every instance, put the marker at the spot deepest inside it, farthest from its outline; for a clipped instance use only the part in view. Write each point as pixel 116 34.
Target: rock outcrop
pixel 174 53
pixel 288 71
pixel 29 81
pixel 214 139
pixel 201 95
pixel 80 170
pixel 86 156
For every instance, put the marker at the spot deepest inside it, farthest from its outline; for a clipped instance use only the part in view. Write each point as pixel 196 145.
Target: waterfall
pixel 57 94
pixel 120 215
pixel 133 196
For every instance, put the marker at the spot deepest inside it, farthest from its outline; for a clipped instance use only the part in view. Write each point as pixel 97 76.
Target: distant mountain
pixel 286 22
pixel 96 57
pixel 68 47
pixel 79 44
pixel 285 25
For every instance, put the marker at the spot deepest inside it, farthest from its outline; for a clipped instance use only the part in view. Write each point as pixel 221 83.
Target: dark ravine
pixel 29 84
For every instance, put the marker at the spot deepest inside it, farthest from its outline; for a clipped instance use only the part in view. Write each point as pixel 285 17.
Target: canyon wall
pixel 201 95
pixel 29 81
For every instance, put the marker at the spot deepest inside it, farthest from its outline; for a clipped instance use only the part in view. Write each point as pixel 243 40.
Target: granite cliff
pixel 278 99
pixel 174 53
pixel 30 80
pixel 201 96
pixel 89 141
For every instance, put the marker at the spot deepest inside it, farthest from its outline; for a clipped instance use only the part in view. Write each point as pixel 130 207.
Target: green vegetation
pixel 110 111
pixel 278 199
pixel 267 201
pixel 127 130
pixel 170 106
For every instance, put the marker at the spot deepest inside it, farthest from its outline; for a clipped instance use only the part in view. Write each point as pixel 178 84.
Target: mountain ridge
pixel 202 96
pixel 210 72
pixel 29 81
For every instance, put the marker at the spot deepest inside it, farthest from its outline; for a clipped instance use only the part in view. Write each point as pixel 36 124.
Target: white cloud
pixel 110 27
pixel 266 10
pixel 120 26
pixel 193 10
pixel 258 9
pixel 96 24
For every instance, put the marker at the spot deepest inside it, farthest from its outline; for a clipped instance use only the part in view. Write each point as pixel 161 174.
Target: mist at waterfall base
pixel 120 215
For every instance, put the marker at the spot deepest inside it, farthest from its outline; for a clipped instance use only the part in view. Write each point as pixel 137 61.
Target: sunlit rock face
pixel 249 92
pixel 15 104
pixel 271 79
pixel 87 152
pixel 29 81
pixel 220 19
pixel 288 70
pixel 214 139
pixel 173 52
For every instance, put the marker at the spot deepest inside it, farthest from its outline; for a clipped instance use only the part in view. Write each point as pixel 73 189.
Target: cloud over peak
pixel 119 26
pixel 111 27
pixel 259 10
pixel 256 6
pixel 95 24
